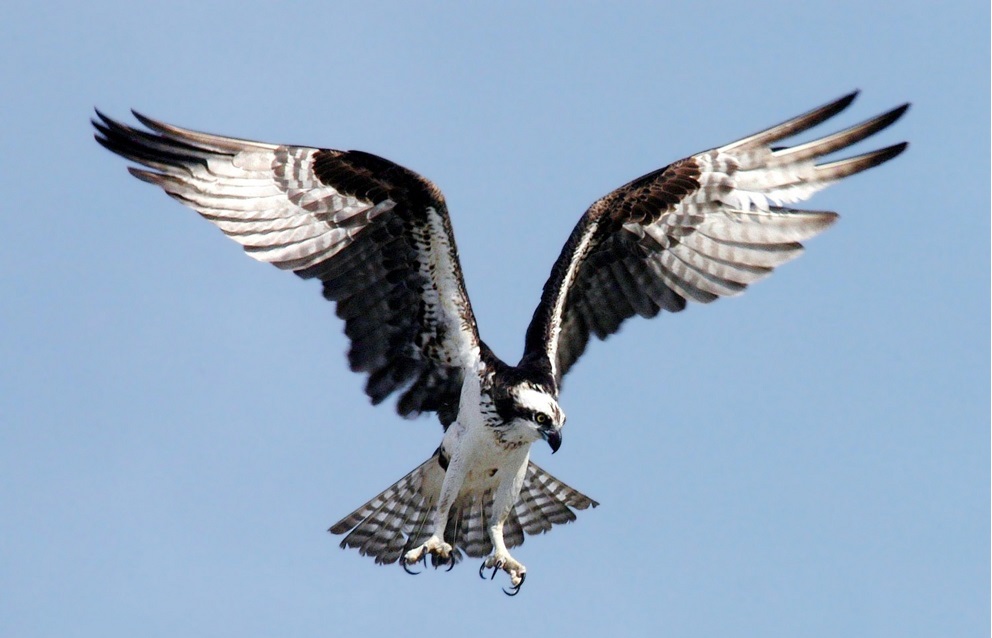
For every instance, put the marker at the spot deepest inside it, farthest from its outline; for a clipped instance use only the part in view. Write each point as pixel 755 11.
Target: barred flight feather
pixel 376 234
pixel 699 229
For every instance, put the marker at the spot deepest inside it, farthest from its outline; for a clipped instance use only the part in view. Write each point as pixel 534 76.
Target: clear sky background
pixel 178 427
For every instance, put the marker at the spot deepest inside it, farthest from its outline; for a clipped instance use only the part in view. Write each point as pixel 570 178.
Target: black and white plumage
pixel 378 237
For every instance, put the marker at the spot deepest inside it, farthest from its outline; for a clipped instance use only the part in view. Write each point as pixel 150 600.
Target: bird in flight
pixel 378 237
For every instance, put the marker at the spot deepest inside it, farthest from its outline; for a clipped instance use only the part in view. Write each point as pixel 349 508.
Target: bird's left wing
pixel 376 234
pixel 702 228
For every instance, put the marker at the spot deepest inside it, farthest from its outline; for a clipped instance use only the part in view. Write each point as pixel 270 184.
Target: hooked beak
pixel 553 437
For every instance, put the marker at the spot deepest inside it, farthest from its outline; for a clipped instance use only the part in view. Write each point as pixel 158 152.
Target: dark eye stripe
pixel 509 410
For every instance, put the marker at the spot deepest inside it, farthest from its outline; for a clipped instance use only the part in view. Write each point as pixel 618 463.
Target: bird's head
pixel 532 411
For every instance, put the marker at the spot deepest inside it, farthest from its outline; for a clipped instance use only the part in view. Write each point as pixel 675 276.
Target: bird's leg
pixel 435 543
pixel 501 559
pixel 506 496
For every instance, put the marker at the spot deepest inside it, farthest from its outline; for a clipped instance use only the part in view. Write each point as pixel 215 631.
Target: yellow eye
pixel 541 419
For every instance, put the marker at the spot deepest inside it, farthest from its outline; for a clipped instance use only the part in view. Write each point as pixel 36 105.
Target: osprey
pixel 378 237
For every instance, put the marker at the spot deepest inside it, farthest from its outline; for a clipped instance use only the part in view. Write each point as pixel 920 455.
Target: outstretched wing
pixel 376 234
pixel 701 228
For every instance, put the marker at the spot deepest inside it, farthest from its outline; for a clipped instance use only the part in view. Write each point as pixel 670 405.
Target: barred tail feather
pixel 396 520
pixel 402 516
pixel 546 501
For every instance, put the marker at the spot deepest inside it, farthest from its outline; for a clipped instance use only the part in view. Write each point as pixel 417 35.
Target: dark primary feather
pixel 355 221
pixel 701 228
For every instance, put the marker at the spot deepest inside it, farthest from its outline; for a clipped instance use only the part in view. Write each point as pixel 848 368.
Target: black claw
pixel 513 591
pixel 483 568
pixel 406 568
pixel 439 560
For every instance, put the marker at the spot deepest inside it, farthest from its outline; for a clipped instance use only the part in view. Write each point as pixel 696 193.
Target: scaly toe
pixel 518 582
pixel 439 551
pixel 506 563
pixel 414 555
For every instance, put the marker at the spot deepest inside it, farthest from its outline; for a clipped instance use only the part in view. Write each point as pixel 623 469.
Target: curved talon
pixel 513 591
pixel 482 568
pixel 406 568
pixel 441 560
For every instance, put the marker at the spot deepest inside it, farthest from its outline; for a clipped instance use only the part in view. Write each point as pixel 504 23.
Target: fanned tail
pixel 544 502
pixel 402 516
pixel 398 519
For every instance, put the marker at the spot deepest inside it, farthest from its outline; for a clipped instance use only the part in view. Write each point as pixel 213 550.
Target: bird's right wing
pixel 376 234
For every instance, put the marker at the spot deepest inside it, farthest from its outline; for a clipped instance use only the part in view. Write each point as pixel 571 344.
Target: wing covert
pixel 376 234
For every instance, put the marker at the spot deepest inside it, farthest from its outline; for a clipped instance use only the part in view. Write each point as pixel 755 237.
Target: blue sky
pixel 178 427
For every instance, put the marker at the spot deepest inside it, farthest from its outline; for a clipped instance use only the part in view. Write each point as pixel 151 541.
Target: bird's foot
pixel 516 571
pixel 432 546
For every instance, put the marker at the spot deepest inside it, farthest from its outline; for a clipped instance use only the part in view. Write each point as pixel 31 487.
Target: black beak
pixel 553 437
